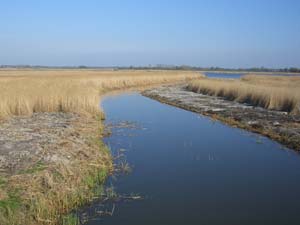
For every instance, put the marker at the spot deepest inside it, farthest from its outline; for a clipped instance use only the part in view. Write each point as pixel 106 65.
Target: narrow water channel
pixel 191 170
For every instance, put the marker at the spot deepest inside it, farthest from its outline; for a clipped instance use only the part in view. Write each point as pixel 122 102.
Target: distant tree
pixel 294 70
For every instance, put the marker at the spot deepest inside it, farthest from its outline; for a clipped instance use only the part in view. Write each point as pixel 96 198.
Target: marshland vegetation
pixel 23 92
pixel 46 190
pixel 280 93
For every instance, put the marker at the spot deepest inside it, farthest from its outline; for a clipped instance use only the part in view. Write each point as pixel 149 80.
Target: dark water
pixel 224 75
pixel 239 75
pixel 194 171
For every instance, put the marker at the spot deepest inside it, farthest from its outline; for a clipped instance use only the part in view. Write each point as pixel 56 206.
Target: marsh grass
pixel 9 206
pixel 39 166
pixel 70 219
pixel 270 92
pixel 48 199
pixel 23 92
pixel 111 193
pixel 47 193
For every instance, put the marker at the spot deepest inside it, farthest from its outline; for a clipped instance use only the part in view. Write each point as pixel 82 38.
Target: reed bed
pixel 48 191
pixel 280 93
pixel 23 92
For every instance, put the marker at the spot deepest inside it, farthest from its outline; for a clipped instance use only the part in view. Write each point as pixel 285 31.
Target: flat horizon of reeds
pixel 280 93
pixel 23 92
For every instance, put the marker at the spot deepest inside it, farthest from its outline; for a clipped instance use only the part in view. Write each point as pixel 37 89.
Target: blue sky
pixel 226 33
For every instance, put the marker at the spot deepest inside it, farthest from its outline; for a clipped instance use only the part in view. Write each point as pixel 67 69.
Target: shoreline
pixel 278 126
pixel 53 162
pixel 64 164
pixel 83 177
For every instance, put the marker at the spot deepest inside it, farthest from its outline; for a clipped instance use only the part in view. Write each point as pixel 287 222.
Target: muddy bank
pixel 50 163
pixel 279 126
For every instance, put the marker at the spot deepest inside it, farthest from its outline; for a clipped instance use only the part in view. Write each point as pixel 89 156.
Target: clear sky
pixel 225 33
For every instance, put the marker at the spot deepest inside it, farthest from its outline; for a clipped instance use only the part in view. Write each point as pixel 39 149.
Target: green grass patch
pixel 3 182
pixel 39 166
pixel 9 206
pixel 70 219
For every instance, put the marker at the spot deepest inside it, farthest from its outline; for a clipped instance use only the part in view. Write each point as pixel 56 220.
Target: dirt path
pixel 278 126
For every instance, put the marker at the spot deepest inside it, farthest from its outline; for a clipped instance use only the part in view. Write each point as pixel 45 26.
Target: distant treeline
pixel 160 67
pixel 254 69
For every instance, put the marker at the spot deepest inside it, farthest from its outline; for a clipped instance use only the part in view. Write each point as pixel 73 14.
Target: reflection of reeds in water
pixel 110 193
pixel 124 167
pixel 270 92
pixel 110 201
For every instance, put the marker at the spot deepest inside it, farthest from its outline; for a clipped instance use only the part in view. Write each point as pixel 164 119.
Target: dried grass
pixel 44 193
pixel 23 92
pixel 270 92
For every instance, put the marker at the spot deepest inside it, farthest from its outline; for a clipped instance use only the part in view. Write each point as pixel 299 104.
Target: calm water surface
pixel 191 170
pixel 239 75
pixel 224 75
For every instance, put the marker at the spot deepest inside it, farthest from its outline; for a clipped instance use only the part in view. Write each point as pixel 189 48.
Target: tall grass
pixel 270 92
pixel 42 194
pixel 23 92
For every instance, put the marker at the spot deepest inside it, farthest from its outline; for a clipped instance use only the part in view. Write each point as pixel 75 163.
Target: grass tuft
pixel 70 219
pixel 9 206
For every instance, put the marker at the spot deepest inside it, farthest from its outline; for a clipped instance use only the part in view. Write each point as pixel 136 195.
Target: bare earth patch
pixel 25 141
pixel 49 165
pixel 279 126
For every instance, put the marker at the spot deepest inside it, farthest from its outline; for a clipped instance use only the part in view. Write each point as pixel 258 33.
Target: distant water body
pixel 239 75
pixel 224 75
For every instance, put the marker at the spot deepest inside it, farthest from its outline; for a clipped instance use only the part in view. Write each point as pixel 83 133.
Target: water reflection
pixel 190 170
pixel 224 75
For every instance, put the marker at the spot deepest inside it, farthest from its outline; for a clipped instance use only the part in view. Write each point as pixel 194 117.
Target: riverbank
pixel 279 126
pixel 270 92
pixel 52 158
pixel 50 163
pixel 217 167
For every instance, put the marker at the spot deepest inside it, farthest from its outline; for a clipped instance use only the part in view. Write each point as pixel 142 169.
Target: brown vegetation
pixel 23 92
pixel 271 92
pixel 45 192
